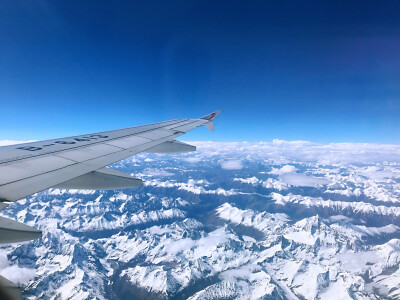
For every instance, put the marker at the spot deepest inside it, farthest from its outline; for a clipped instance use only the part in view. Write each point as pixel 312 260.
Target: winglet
pixel 210 118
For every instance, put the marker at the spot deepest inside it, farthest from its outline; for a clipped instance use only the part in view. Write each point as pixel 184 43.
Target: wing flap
pixel 13 232
pixel 103 179
pixel 9 290
pixel 3 205
pixel 172 147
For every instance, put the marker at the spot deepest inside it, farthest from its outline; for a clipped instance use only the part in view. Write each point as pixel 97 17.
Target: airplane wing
pixel 80 162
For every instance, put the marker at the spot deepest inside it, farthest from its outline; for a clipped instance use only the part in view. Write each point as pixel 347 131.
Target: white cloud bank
pixel 338 206
pixel 15 273
pixel 232 164
pixel 157 172
pixel 11 142
pixel 284 152
pixel 303 180
pixel 288 176
pixel 284 170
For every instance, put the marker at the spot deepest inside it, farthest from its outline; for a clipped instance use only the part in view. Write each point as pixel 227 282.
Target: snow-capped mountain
pixel 281 220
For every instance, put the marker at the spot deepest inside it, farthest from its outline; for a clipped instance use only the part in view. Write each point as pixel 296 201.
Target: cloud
pixel 193 159
pixel 192 186
pixel 156 172
pixel 280 151
pixel 232 164
pixel 15 273
pixel 303 180
pixel 337 206
pixel 253 180
pixel 11 142
pixel 284 170
pixel 278 142
pixel 378 173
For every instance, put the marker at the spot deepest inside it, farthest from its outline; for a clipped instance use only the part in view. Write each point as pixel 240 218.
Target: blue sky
pixel 324 71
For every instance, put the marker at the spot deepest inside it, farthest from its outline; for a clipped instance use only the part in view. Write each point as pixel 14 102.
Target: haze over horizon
pixel 321 72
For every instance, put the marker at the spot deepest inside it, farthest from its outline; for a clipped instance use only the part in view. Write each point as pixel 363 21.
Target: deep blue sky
pixel 325 71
